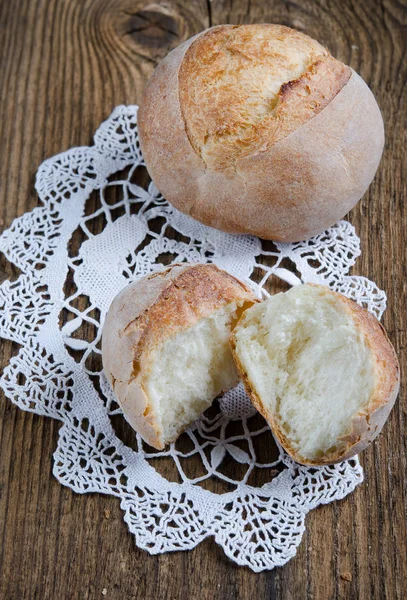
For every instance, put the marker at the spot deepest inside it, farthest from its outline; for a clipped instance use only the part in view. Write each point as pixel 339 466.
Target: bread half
pixel 166 348
pixel 320 369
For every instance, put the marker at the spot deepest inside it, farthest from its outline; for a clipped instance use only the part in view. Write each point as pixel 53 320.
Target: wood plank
pixel 64 66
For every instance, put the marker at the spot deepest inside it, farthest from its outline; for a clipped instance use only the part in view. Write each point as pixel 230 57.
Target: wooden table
pixel 64 65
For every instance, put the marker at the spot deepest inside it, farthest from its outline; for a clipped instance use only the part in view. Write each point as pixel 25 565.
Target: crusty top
pixel 149 311
pixel 242 88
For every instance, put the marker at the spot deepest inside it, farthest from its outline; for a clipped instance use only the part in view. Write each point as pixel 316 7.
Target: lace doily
pixel 71 268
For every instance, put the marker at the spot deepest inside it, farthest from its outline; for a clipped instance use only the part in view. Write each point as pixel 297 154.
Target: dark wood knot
pixel 153 29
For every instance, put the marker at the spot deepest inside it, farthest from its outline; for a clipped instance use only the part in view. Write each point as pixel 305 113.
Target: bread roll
pixel 320 369
pixel 258 129
pixel 166 347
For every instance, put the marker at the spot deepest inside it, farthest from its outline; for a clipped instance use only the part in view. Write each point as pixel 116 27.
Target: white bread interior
pixel 310 361
pixel 190 370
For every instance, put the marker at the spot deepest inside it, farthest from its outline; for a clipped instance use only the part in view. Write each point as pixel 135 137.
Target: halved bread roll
pixel 166 348
pixel 320 369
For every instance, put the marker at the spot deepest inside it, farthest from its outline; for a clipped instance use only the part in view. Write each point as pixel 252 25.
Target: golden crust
pixel 286 190
pixel 148 312
pixel 246 87
pixel 365 426
pixel 302 99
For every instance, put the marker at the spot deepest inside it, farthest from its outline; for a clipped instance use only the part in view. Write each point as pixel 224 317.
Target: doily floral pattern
pixel 72 266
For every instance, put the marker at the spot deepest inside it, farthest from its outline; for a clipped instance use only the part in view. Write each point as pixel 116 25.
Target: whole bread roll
pixel 258 129
pixel 166 348
pixel 320 369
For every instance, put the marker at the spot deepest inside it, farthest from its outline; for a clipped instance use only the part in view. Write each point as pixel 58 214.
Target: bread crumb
pixel 104 592
pixel 346 576
pixel 106 512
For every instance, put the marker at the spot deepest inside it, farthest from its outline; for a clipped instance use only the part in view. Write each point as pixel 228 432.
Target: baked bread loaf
pixel 320 369
pixel 258 129
pixel 166 348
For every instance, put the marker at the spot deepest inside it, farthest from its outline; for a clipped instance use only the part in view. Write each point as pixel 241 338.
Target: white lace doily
pixel 203 484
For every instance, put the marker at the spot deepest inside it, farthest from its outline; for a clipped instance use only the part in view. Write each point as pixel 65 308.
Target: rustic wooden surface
pixel 64 65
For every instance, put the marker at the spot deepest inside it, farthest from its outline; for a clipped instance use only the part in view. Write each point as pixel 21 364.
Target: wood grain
pixel 64 65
